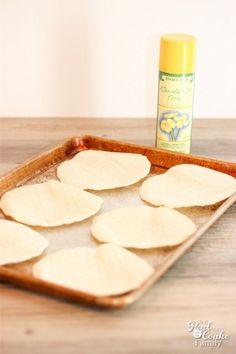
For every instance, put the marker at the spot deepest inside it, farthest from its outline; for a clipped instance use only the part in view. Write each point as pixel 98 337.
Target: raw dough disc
pixel 100 170
pixel 51 203
pixel 186 186
pixel 142 227
pixel 19 243
pixel 104 270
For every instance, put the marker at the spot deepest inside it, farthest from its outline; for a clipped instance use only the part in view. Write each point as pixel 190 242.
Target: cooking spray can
pixel 176 88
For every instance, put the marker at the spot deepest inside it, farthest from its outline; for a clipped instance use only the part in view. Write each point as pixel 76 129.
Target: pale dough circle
pixel 104 270
pixel 51 203
pixel 187 185
pixel 19 243
pixel 98 170
pixel 142 227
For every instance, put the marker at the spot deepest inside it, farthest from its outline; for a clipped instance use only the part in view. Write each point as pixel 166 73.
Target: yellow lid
pixel 177 53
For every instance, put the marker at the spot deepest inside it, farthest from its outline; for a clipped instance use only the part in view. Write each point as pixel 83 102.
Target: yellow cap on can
pixel 177 53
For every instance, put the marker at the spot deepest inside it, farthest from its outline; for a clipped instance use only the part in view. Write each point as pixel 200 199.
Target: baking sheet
pixel 78 234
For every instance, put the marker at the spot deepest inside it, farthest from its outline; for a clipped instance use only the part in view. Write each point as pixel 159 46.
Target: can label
pixel 174 117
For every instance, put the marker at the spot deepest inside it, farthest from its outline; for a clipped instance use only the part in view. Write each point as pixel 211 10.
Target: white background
pixel 99 58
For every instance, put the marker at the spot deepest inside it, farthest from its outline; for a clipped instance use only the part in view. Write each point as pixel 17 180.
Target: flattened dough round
pixel 142 227
pixel 187 185
pixel 51 203
pixel 19 243
pixel 104 270
pixel 98 170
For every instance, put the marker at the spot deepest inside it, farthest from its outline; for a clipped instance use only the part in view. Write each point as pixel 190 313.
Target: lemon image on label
pixel 171 123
